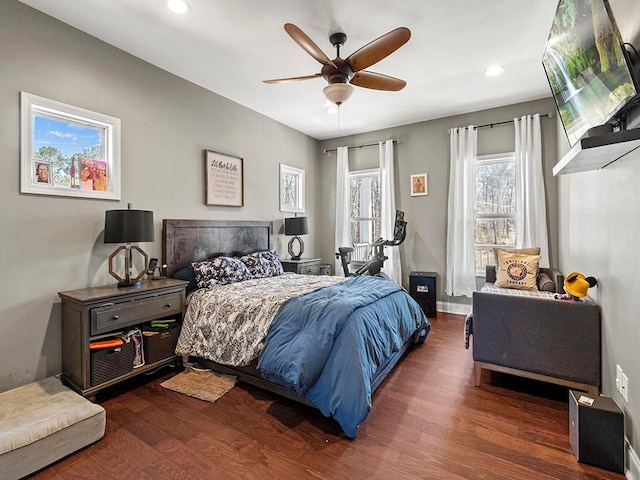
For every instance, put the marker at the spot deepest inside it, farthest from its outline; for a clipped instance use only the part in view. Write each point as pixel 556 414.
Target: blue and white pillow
pixel 220 271
pixel 274 260
pixel 263 264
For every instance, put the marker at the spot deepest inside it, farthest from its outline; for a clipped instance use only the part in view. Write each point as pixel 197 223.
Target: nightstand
pixel 304 266
pixel 94 313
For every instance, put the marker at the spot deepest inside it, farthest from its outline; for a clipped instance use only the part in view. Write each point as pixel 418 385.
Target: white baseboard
pixel 457 308
pixel 633 463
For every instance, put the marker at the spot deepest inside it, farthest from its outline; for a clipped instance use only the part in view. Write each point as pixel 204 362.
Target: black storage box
pixel 160 345
pixel 596 431
pixel 110 363
pixel 422 288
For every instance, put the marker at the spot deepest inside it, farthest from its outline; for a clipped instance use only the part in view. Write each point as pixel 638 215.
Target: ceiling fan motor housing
pixel 341 74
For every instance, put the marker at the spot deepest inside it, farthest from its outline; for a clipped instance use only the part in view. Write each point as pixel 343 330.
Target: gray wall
pixel 600 236
pixel 424 147
pixel 50 244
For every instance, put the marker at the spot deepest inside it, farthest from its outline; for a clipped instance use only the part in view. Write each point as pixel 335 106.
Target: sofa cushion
pixel 517 270
pixel 491 288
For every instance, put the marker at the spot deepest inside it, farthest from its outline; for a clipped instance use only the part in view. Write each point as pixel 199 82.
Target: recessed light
pixel 178 6
pixel 494 71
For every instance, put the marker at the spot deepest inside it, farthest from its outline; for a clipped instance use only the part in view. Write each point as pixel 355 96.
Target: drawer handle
pixel 115 317
pixel 168 305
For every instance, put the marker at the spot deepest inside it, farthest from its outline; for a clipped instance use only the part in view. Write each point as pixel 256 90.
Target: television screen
pixel 587 66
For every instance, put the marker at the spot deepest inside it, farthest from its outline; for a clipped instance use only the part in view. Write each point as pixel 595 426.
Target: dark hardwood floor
pixel 428 421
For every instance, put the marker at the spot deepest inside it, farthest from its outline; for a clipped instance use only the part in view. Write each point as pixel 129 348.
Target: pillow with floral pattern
pixel 220 271
pixel 258 266
pixel 263 264
pixel 271 256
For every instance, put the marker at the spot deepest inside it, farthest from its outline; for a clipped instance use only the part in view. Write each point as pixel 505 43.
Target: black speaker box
pixel 422 288
pixel 596 431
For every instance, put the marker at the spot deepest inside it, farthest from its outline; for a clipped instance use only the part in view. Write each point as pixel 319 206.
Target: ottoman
pixel 42 422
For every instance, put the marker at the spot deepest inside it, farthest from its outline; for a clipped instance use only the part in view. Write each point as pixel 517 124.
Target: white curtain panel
pixel 342 238
pixel 392 267
pixel 531 218
pixel 460 276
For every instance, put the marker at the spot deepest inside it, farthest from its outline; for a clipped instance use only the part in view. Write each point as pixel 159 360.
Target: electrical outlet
pixel 619 374
pixel 624 387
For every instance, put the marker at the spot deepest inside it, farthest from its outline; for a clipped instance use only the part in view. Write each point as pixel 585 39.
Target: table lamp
pixel 127 226
pixel 296 226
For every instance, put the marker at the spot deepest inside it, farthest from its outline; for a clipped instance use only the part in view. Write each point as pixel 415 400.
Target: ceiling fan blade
pixel 307 44
pixel 292 79
pixel 377 81
pixel 378 49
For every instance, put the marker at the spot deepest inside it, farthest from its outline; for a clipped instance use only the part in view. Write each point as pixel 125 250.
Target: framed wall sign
pixel 224 177
pixel 291 189
pixel 419 185
pixel 67 150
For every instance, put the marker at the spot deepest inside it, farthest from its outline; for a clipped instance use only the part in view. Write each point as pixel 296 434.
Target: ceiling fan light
pixel 338 93
pixel 331 109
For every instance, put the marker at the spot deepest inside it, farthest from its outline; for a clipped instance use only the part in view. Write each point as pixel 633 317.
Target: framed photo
pixel 68 151
pixel 419 185
pixel 224 176
pixel 291 189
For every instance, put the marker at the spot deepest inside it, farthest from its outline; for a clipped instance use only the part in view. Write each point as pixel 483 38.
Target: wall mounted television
pixel 588 67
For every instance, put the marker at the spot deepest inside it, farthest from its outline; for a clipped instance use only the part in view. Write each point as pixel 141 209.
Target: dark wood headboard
pixel 186 241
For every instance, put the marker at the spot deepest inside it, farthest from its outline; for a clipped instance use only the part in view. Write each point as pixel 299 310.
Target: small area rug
pixel 203 384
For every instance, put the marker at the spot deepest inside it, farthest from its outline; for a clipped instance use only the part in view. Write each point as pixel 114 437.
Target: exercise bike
pixel 374 264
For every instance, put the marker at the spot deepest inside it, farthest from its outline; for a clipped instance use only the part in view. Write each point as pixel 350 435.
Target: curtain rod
pixel 491 125
pixel 328 150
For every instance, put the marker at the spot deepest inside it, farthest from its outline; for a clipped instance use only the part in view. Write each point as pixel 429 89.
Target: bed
pixel 328 345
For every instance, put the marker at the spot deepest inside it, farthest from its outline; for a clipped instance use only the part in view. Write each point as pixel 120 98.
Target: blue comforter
pixel 327 344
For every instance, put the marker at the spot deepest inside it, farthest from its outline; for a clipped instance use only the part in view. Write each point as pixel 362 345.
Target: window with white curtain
pixel 364 217
pixel 495 211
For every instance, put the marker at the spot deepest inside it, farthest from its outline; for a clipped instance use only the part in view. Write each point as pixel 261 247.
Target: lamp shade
pixel 126 226
pixel 296 226
pixel 338 92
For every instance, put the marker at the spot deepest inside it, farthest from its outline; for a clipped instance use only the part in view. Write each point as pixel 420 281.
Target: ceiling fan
pixel 342 73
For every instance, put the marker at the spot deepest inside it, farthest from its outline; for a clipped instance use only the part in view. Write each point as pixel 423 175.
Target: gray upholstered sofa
pixel 545 339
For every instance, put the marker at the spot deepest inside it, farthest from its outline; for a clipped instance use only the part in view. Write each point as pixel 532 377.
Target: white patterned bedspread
pixel 228 323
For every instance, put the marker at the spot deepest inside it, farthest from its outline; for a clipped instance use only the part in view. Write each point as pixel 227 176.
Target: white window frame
pixel 32 106
pixel 506 157
pixel 362 249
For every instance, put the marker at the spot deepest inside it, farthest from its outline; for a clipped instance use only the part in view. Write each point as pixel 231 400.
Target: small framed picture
pixel 419 185
pixel 224 179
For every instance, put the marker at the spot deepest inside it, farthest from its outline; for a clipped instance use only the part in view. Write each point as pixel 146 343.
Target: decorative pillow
pixel 524 251
pixel 221 271
pixel 264 263
pixel 258 267
pixel 545 284
pixel 274 260
pixel 188 274
pixel 517 271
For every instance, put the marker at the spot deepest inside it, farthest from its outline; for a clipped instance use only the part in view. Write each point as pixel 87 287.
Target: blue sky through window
pixel 69 138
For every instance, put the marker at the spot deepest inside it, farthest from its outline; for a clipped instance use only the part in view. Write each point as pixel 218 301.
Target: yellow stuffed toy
pixel 576 286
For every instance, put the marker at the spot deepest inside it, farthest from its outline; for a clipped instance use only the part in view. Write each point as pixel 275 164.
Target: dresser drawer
pixel 309 269
pixel 111 317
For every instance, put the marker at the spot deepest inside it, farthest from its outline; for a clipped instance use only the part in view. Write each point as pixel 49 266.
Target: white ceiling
pixel 229 47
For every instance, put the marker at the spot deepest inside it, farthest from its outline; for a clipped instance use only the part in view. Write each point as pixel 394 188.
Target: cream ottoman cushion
pixel 42 422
